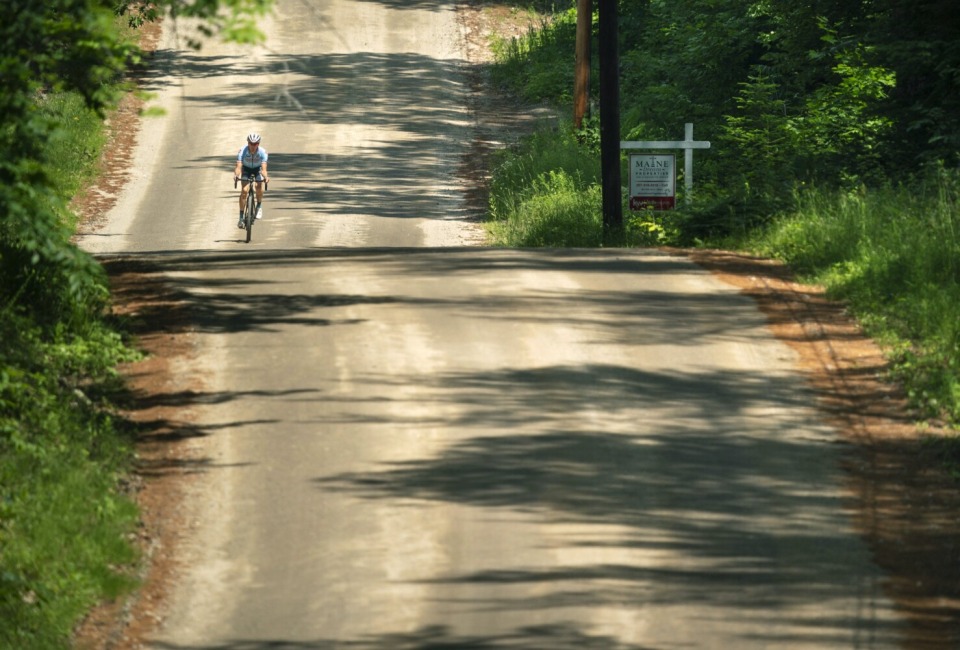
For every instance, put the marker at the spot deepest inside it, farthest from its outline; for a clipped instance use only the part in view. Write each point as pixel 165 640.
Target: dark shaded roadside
pixel 158 394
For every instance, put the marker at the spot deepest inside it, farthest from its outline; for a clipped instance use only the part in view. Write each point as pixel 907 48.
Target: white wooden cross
pixel 689 144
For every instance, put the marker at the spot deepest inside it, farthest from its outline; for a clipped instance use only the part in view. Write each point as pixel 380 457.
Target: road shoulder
pixel 160 391
pixel 903 501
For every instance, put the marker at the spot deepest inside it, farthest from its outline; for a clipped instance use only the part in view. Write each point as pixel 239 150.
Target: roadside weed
pixel 893 254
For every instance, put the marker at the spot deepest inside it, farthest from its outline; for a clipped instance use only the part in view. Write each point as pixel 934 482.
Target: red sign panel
pixel 655 202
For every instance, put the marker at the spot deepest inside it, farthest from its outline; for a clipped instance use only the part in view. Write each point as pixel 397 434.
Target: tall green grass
pixel 539 63
pixel 546 192
pixel 556 211
pixel 893 254
pixel 73 151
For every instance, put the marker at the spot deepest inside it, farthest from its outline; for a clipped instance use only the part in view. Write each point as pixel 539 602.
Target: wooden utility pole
pixel 610 117
pixel 581 78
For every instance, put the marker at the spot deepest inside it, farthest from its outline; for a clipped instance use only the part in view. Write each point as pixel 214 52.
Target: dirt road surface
pixel 409 442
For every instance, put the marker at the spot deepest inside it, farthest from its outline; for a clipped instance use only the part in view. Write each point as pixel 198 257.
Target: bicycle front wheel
pixel 250 213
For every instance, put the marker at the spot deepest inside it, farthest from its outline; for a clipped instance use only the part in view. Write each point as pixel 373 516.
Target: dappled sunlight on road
pixel 531 449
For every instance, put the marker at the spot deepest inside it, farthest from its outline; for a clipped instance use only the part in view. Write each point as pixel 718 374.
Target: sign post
pixel 688 145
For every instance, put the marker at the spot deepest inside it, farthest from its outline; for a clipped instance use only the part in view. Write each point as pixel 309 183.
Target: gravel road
pixel 416 442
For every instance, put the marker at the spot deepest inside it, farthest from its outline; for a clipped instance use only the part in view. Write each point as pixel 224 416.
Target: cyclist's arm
pixel 236 172
pixel 263 169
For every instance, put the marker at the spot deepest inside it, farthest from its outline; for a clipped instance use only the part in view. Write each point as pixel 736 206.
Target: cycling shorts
pixel 246 171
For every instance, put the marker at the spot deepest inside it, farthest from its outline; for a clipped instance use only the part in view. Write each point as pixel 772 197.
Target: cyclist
pixel 252 159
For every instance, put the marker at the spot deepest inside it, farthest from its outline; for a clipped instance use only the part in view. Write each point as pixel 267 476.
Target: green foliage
pixel 554 211
pixel 840 118
pixel 788 93
pixel 75 144
pixel 761 138
pixel 539 63
pixel 893 254
pixel 232 20
pixel 62 521
pixel 545 193
pixel 917 41
pixel 544 151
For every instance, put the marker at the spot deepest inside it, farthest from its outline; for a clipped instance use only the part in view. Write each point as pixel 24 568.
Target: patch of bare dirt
pixel 907 506
pixel 499 119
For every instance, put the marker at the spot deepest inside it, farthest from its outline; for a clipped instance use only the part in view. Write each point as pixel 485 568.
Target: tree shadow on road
pixel 545 637
pixel 723 475
pixel 745 514
pixel 230 292
pixel 416 136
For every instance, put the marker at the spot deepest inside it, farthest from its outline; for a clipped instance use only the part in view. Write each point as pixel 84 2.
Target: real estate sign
pixel 653 181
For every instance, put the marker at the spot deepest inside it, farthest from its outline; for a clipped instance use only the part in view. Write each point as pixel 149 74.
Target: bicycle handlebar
pixel 250 178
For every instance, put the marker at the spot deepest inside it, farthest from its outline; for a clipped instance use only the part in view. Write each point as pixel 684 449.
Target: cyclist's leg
pixel 244 191
pixel 259 191
pixel 244 188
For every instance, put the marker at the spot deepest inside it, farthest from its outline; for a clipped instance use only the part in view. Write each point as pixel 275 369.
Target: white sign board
pixel 653 181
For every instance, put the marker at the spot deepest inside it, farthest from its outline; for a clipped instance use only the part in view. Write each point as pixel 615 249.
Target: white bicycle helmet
pixel 253 138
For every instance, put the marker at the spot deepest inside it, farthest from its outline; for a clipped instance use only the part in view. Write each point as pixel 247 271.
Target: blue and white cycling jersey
pixel 252 160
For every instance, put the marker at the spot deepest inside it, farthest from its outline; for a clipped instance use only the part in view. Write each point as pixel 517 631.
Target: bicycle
pixel 250 209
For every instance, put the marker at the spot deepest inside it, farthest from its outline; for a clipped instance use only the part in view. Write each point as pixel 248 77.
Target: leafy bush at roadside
pixel 63 522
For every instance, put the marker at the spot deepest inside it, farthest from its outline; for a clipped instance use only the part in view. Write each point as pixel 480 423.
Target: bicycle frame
pixel 250 209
